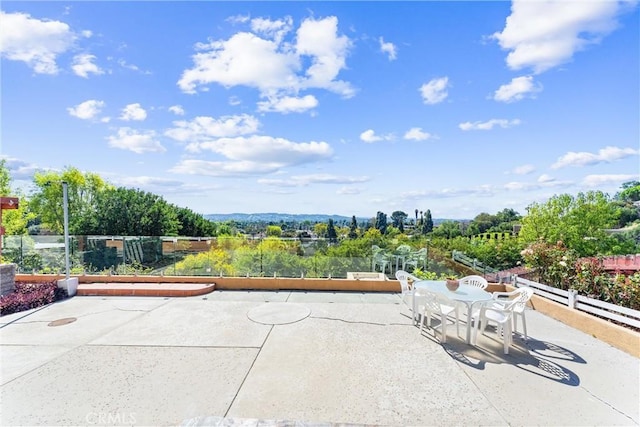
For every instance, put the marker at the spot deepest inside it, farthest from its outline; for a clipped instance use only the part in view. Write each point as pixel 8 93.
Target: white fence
pixel 571 299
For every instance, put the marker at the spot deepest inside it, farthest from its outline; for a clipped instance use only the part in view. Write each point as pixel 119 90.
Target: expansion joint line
pixel 235 396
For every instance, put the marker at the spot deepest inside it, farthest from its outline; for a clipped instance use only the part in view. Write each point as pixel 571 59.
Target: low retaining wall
pixel 618 336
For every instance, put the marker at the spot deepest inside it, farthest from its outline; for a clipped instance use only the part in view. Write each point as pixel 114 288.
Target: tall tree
pixel 428 222
pixel 397 219
pixel 381 222
pixel 353 228
pixel 331 232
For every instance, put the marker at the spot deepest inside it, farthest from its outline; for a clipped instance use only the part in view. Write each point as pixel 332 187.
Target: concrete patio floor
pixel 297 358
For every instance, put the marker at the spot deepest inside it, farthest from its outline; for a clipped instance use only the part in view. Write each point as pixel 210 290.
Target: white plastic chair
pixel 501 313
pixel 416 258
pixel 518 308
pixel 434 303
pixel 473 280
pixel 380 259
pixel 406 288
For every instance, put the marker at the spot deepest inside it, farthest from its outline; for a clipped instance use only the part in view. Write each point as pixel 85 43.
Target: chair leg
pixel 506 328
pixel 524 326
pixel 443 328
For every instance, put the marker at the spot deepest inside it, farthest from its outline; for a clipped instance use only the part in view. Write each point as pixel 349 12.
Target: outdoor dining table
pixel 469 295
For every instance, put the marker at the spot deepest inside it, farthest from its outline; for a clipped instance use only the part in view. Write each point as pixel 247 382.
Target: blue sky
pixel 342 108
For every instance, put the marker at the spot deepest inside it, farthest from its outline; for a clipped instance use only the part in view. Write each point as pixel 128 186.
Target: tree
pixel 128 212
pixel 448 230
pixel 320 229
pixel 428 223
pixel 630 191
pixel 353 228
pixel 15 220
pixel 195 225
pixel 273 231
pixel 397 219
pixel 381 222
pixel 331 232
pixel 578 221
pixel 82 190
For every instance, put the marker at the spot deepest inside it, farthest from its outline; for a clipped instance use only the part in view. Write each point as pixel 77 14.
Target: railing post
pixel 514 280
pixel 573 297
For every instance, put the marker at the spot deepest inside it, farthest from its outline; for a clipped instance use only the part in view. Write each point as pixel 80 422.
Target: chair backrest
pixel 473 280
pixel 519 300
pixel 403 277
pixel 434 301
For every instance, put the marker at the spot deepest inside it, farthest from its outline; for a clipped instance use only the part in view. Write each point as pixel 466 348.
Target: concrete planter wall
pixel 70 285
pixel 7 278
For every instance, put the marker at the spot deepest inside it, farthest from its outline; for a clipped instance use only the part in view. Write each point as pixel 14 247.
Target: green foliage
pixel 331 232
pixel 630 191
pixel 128 212
pixel 579 222
pixel 353 228
pixel 273 231
pixel 381 222
pixel 14 221
pixel 193 224
pixel 554 264
pixel 448 229
pixel 82 190
pixel 428 222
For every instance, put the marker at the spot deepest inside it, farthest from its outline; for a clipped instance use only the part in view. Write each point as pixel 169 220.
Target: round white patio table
pixel 469 295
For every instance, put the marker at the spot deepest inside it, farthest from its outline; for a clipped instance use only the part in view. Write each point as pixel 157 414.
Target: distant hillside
pixel 277 217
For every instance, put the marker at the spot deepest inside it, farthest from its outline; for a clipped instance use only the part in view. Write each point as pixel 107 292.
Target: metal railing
pixel 473 263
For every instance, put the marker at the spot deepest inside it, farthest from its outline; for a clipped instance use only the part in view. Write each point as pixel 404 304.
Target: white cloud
pixel 544 181
pixel 86 110
pixel 305 180
pixel 369 136
pixel 544 178
pixel 276 68
pixel 133 112
pixel 224 169
pixel 319 39
pixel 435 91
pixel 279 152
pixel 137 141
pixel 275 30
pixel 234 100
pixel 523 169
pixel 417 134
pixel 488 125
pixel 544 34
pixel 83 65
pixel 288 104
pixel 604 155
pixel 35 42
pixel 388 48
pixel 517 89
pixel 133 67
pixel 177 110
pixel 204 128
pixel 348 191
pixel 19 170
pixel 599 180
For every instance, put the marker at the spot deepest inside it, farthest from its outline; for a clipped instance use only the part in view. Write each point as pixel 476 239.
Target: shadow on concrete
pixel 532 356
